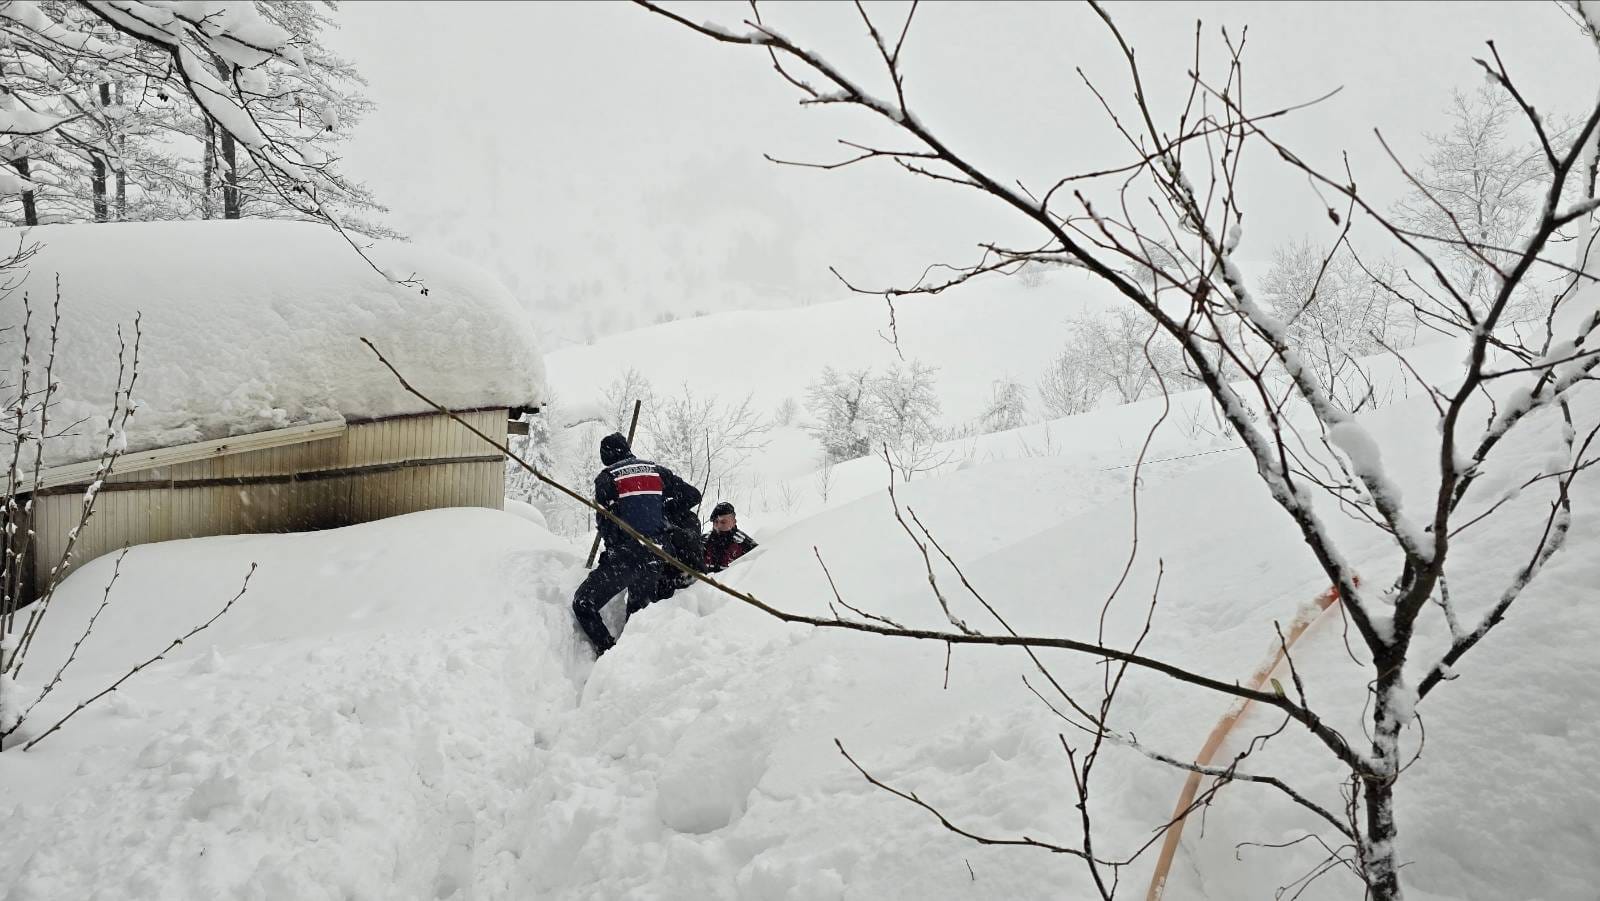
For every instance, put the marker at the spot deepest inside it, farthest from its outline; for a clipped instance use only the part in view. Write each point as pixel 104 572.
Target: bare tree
pixel 619 396
pixel 825 479
pixel 785 414
pixel 701 435
pixel 1180 185
pixel 29 388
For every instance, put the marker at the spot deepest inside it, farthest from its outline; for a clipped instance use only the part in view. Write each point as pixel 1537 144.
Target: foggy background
pixel 607 163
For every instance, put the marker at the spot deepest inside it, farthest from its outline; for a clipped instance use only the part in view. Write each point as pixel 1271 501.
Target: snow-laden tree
pixel 1007 408
pixel 903 405
pixel 903 417
pixel 859 412
pixel 322 100
pixel 1116 354
pixel 71 167
pixel 1123 352
pixel 840 404
pixel 540 447
pixel 1185 146
pixel 1068 386
pixel 1337 313
pixel 1476 194
pixel 96 97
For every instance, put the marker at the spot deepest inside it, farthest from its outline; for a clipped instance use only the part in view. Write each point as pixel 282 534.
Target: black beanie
pixel 614 448
pixel 722 509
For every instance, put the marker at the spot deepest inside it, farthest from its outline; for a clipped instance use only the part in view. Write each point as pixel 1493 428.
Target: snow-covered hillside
pixel 404 709
pixel 997 329
pixel 1001 328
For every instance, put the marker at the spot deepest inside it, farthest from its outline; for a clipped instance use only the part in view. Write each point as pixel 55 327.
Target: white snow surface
pixel 255 325
pixel 403 709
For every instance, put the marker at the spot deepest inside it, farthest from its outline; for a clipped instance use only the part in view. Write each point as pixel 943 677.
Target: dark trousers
pixel 633 571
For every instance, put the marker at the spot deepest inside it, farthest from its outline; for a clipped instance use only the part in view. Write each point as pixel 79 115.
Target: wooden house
pixel 345 444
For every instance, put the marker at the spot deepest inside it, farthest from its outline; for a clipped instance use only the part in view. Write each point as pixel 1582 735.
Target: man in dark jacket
pixel 638 492
pixel 727 542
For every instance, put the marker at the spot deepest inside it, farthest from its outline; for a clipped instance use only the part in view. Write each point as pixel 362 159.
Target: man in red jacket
pixel 727 542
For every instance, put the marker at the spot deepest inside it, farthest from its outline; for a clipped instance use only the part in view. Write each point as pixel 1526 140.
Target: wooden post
pixel 595 548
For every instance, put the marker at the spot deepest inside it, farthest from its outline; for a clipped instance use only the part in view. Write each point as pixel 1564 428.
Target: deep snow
pixel 402 709
pixel 254 325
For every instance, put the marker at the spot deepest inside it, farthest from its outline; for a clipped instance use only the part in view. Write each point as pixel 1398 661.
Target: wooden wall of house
pixel 372 470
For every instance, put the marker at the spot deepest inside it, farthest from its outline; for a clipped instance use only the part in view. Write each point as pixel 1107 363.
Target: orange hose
pixel 1191 786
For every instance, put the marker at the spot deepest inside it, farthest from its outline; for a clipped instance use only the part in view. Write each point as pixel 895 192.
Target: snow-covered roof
pixel 254 325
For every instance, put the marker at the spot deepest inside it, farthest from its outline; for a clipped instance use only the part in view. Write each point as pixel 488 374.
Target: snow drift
pixel 402 709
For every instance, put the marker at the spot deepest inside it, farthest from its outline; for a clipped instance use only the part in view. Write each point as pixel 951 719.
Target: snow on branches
pixel 104 92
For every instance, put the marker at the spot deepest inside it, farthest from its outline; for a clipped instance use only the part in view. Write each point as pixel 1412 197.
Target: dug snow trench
pixel 404 709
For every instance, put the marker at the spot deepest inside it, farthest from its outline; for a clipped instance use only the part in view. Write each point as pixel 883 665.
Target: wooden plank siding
pixel 372 470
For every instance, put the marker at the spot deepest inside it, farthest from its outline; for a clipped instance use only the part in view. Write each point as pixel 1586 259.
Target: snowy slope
pixel 974 336
pixel 255 325
pixel 400 709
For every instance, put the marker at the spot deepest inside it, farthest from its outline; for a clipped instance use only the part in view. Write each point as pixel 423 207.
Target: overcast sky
pixel 607 162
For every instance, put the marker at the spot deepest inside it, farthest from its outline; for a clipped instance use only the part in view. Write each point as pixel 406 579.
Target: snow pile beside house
pixel 255 325
pixel 333 736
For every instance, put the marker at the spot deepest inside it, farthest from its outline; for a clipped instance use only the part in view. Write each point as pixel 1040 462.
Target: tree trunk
pixel 1378 853
pixel 210 166
pixel 30 210
pixel 1377 850
pixel 98 172
pixel 97 178
pixel 230 171
pixel 230 179
pixel 122 167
